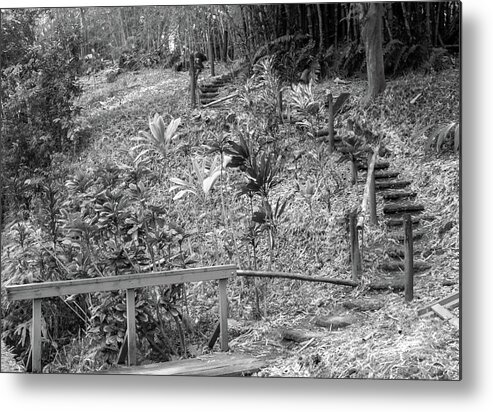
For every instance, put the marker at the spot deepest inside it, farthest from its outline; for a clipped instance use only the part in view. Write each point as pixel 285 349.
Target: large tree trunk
pixel 371 16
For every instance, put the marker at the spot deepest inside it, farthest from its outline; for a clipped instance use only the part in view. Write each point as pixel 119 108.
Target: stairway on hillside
pixel 399 201
pixel 209 89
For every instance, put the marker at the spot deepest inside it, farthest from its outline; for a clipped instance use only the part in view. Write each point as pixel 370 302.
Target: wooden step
pixel 399 195
pixel 393 283
pixel 217 364
pixel 392 184
pixel 209 95
pixel 208 88
pixel 417 235
pixel 397 223
pixel 399 254
pixel 218 83
pixel 386 175
pixel 402 208
pixel 378 166
pixel 419 266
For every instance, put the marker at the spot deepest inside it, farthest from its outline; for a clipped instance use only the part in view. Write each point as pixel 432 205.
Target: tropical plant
pixel 445 137
pixel 200 181
pixel 354 149
pixel 159 140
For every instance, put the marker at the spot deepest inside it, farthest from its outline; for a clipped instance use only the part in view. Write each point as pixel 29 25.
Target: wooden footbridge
pixel 221 364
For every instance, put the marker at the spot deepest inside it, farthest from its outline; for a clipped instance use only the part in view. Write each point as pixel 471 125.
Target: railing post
pixel 372 195
pixel 330 103
pixel 223 314
pixel 355 252
pixel 279 102
pixel 36 336
pixel 131 330
pixel 408 258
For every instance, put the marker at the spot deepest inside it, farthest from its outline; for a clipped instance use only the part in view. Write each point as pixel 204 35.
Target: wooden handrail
pixel 369 194
pixel 131 281
pixel 38 291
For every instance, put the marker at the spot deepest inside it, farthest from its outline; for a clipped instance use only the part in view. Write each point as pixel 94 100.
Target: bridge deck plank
pixel 217 364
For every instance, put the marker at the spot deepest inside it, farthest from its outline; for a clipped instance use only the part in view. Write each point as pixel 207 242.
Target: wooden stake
pixel 36 336
pixel 372 194
pixel 408 258
pixel 193 80
pixel 279 100
pixel 331 122
pixel 223 314
pixel 131 329
pixel 355 252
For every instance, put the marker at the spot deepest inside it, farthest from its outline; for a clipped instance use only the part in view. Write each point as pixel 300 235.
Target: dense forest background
pixel 63 224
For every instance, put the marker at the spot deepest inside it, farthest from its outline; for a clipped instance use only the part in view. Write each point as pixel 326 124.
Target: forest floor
pixel 388 342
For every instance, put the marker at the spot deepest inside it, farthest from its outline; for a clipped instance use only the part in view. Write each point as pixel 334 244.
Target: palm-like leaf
pixel 200 181
pixel 159 140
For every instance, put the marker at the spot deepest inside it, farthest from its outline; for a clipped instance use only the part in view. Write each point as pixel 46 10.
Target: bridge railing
pixel 37 291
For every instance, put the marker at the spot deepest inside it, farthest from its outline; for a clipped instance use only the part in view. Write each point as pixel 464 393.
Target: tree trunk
pixel 225 48
pixel 300 17
pixel 210 49
pixel 437 23
pixel 245 32
pixel 83 24
pixel 288 18
pixel 388 16
pixel 371 16
pixel 123 25
pixel 348 22
pixel 405 15
pixel 309 17
pixel 320 29
pixel 336 25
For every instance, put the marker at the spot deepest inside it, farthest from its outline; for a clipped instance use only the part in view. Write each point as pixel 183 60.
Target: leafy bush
pixel 39 88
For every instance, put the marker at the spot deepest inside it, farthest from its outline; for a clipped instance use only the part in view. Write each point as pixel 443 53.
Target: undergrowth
pixel 235 185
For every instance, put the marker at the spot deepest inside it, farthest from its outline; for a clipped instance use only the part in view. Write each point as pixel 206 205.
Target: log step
pixel 378 166
pixel 205 100
pixel 418 266
pixel 209 94
pixel 417 235
pixel 394 223
pixel 397 184
pixel 394 284
pixel 399 195
pixel 402 208
pixel 208 88
pixel 399 254
pixel 386 175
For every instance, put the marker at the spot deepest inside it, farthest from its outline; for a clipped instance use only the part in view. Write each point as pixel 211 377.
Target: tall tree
pixel 371 23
